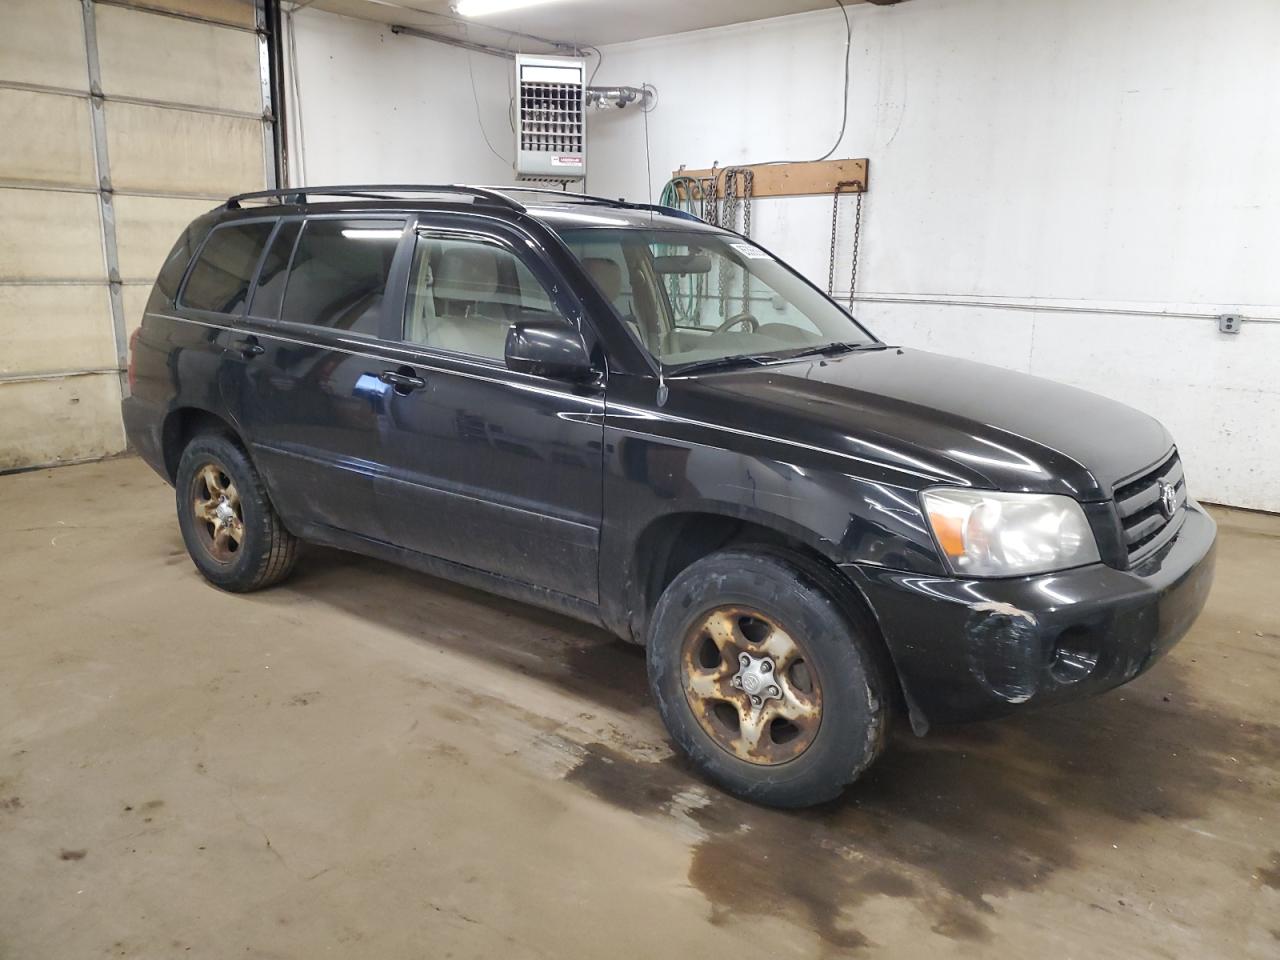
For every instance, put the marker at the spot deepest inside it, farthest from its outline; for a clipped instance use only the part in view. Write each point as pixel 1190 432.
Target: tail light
pixel 133 358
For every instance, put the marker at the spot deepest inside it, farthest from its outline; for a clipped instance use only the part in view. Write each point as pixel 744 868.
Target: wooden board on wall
pixel 802 178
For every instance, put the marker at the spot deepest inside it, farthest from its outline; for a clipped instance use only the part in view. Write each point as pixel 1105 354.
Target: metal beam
pixel 106 205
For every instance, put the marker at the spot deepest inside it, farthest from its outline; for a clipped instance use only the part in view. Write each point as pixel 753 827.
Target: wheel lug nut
pixel 743 659
pixel 756 701
pixel 773 691
pixel 767 666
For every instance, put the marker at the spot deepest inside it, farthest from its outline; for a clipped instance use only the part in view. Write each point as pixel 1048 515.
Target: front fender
pixel 842 516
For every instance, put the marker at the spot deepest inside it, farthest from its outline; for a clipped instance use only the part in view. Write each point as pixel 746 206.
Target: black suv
pixel 622 413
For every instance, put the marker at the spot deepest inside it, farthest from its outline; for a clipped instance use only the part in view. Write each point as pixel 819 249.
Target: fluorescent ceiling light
pixel 363 233
pixel 480 8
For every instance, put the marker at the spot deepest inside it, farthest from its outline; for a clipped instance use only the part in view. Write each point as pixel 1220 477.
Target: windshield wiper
pixel 722 363
pixel 835 349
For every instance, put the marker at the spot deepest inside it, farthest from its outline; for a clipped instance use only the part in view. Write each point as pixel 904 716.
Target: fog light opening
pixel 1074 655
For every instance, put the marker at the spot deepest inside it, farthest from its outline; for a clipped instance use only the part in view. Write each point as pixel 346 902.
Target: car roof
pixel 554 209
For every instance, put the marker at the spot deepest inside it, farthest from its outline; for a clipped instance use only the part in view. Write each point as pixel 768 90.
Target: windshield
pixel 694 297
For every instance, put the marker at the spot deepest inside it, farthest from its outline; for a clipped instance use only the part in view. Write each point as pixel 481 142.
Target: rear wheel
pixel 232 532
pixel 773 691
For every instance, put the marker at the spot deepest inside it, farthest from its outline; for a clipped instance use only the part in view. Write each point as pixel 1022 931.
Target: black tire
pixel 265 553
pixel 848 671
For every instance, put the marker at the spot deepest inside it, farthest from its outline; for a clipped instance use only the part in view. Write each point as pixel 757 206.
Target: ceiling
pixel 574 21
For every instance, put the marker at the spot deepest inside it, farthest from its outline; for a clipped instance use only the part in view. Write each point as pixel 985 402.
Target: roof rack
pixel 493 195
pixel 568 197
pixel 382 191
pixel 559 194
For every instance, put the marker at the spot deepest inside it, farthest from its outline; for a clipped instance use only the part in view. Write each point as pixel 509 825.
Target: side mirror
pixel 548 348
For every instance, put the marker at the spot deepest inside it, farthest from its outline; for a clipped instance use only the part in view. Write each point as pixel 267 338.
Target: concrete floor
pixel 367 762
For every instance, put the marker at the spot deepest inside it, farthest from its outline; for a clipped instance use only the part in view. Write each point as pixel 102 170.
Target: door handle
pixel 249 347
pixel 404 380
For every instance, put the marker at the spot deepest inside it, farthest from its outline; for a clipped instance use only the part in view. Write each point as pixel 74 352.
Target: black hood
pixel 941 418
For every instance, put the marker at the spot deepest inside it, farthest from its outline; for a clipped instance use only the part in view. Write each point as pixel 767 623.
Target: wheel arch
pixel 673 542
pixel 181 424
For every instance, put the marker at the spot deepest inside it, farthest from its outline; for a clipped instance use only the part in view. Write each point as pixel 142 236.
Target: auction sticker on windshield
pixel 750 252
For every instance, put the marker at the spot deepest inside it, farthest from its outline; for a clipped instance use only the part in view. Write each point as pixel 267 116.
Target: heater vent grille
pixel 551 133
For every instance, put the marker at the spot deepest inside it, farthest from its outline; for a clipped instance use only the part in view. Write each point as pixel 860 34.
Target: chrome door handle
pixel 404 380
pixel 249 347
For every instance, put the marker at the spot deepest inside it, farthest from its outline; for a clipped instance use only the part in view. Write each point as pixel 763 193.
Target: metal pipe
pixel 397 28
pixel 619 96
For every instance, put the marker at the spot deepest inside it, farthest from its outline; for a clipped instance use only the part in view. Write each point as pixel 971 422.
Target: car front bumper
pixel 970 649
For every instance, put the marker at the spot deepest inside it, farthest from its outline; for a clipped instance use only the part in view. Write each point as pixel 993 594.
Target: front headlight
pixel 985 533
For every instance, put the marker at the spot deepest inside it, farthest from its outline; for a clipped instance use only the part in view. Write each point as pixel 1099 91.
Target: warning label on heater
pixel 566 161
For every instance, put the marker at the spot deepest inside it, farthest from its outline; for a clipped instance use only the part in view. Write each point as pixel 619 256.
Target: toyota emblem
pixel 1168 500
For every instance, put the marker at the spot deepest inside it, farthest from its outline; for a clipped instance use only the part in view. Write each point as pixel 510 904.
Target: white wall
pixel 382 108
pixel 1115 158
pixel 1050 180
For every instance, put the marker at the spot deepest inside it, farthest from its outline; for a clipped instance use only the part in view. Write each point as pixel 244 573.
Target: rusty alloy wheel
pixel 750 686
pixel 219 515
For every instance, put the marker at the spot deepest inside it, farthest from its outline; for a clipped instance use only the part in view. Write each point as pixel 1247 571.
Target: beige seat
pixel 607 275
pixel 456 305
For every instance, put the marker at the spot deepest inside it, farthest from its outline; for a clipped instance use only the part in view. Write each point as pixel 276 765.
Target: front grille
pixel 1145 520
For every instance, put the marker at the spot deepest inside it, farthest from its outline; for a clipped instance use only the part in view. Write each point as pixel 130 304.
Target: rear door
pixel 297 373
pixel 497 470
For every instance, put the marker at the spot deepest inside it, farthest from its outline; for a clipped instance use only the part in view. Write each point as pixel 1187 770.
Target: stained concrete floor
pixel 367 762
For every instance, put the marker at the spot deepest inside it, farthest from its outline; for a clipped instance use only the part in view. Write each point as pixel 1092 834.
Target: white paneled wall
pixel 375 107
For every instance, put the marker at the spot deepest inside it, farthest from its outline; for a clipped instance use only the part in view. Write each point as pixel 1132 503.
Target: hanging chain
pixel 730 221
pixel 831 262
pixel 857 242
pixel 748 188
pixel 710 198
pixel 845 186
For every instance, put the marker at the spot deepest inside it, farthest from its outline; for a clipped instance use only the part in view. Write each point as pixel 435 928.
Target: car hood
pixel 940 418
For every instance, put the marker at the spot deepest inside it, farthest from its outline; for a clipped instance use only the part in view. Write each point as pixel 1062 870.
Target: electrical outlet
pixel 1230 323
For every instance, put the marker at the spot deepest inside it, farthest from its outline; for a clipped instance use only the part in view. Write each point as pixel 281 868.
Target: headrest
pixel 466 273
pixel 607 275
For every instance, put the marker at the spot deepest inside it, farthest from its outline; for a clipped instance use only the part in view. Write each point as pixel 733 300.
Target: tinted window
pixel 339 274
pixel 464 294
pixel 175 265
pixel 270 291
pixel 220 279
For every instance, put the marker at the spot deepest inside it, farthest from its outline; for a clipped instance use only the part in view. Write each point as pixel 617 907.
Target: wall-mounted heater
pixel 551 129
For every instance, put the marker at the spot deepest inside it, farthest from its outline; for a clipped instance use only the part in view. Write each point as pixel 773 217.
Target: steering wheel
pixel 745 317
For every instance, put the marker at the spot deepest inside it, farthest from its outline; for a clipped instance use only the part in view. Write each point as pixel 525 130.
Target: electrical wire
pixel 648 157
pixel 301 151
pixel 599 61
pixel 475 97
pixel 844 109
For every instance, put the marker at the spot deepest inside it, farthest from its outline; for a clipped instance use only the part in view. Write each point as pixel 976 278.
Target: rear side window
pixel 270 290
pixel 339 274
pixel 175 265
pixel 221 278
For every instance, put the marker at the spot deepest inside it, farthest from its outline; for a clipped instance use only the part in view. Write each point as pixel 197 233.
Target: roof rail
pixel 668 211
pixel 380 191
pixel 559 194
pixel 605 201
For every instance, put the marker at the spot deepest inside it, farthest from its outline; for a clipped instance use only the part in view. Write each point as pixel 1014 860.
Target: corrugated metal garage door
pixel 120 122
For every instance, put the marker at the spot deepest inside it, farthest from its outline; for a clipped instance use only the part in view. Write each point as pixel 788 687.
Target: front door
pixel 483 466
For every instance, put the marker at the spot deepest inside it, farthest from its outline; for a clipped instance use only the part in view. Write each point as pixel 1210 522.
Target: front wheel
pixel 769 687
pixel 232 532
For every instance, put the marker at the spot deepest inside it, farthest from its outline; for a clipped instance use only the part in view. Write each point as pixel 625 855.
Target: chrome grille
pixel 1145 521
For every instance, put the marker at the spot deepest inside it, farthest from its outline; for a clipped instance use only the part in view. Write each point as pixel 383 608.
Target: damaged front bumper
pixel 970 649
